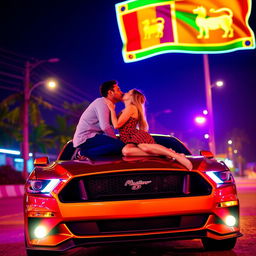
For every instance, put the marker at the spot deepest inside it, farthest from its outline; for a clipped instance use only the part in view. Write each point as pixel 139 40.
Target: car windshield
pixel 171 142
pixel 167 141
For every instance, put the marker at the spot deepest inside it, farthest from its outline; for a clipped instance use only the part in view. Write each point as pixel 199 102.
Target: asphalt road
pixel 12 239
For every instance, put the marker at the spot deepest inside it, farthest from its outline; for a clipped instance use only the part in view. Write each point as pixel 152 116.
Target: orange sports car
pixel 71 203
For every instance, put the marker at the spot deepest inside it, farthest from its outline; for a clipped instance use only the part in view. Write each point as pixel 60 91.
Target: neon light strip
pixel 214 177
pixel 9 151
pixel 52 184
pixel 18 160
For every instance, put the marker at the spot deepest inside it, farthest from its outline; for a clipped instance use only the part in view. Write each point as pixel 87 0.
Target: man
pixel 94 134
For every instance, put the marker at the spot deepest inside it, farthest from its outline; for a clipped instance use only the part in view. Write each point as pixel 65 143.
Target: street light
pixel 50 83
pixel 206 136
pixel 219 83
pixel 27 93
pixel 200 120
pixel 208 92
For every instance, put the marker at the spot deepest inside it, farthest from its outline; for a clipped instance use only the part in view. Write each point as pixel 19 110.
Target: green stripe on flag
pixel 184 48
pixel 137 4
pixel 188 18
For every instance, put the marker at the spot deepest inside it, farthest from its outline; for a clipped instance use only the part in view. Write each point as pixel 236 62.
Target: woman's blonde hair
pixel 139 99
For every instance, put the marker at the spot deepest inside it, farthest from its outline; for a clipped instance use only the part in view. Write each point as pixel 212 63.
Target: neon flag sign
pixel 152 27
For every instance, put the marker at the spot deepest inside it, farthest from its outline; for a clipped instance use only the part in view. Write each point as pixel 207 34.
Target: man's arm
pixel 103 115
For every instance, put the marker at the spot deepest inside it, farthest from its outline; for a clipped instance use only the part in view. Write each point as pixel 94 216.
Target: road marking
pixel 10 215
pixel 8 223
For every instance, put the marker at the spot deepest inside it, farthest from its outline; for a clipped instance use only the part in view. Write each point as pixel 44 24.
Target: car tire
pixel 218 245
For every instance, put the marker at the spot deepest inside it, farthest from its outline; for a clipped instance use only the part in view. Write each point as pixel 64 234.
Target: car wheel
pixel 218 245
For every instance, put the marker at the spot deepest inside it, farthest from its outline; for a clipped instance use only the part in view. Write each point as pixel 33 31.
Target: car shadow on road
pixel 189 248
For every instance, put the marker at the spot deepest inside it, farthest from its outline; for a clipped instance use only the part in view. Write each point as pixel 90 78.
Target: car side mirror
pixel 41 161
pixel 206 153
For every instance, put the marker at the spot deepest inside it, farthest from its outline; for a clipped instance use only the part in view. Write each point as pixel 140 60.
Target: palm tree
pixel 40 138
pixel 62 131
pixel 11 113
pixel 75 110
pixel 64 127
pixel 15 102
pixel 8 135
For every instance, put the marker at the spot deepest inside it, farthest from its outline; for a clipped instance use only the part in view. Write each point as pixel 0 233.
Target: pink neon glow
pixel 200 119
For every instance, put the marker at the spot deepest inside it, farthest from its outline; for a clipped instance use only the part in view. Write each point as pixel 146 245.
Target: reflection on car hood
pixel 64 169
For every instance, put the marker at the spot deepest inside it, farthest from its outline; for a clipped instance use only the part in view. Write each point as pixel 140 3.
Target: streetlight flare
pixel 200 119
pixel 230 142
pixel 52 84
pixel 219 83
pixel 206 136
pixel 205 112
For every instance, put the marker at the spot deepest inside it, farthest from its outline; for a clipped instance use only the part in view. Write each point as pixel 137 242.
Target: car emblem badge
pixel 136 185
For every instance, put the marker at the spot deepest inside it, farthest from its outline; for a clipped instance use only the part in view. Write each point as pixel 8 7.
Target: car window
pixel 167 141
pixel 173 143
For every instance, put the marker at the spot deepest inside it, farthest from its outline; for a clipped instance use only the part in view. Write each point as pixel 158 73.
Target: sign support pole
pixel 208 92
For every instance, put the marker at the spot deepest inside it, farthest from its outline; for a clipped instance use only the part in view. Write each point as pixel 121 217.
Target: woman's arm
pixel 125 115
pixel 123 118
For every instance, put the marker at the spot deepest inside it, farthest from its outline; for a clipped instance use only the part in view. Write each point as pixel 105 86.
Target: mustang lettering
pixel 136 184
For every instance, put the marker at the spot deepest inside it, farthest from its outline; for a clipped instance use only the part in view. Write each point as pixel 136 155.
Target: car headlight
pixel 42 186
pixel 221 177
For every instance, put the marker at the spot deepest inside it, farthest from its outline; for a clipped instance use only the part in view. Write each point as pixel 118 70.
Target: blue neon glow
pixel 18 160
pixel 214 177
pixel 9 151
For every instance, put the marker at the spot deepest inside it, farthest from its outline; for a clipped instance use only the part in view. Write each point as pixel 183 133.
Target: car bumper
pixel 61 237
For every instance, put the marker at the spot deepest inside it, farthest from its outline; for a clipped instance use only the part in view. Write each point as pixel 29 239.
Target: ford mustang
pixel 75 203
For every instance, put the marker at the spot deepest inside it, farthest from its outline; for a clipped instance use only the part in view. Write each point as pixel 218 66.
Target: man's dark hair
pixel 106 86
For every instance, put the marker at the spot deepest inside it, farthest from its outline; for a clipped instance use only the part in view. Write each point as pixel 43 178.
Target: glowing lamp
pixel 51 84
pixel 206 136
pixel 230 221
pixel 219 83
pixel 230 142
pixel 205 112
pixel 40 232
pixel 200 120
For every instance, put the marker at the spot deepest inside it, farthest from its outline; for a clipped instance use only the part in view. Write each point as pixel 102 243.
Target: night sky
pixel 85 36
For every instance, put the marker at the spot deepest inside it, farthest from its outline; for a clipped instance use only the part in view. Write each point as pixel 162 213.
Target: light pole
pixel 27 93
pixel 208 93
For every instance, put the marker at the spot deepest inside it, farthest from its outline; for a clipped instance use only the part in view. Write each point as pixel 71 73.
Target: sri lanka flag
pixel 151 27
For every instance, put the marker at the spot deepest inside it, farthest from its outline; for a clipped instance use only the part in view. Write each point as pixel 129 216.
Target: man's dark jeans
pixel 101 145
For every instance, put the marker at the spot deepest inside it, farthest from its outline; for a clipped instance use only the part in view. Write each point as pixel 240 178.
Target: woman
pixel 138 141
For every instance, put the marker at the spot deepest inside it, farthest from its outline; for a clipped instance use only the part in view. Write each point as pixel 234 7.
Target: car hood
pixel 66 169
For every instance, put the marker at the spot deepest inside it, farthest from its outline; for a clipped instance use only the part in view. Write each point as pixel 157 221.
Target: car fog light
pixel 40 232
pixel 230 220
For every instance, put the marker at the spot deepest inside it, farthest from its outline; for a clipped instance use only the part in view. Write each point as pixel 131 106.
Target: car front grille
pixel 131 185
pixel 119 226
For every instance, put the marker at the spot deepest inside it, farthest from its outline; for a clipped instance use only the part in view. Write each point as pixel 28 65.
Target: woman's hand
pixel 110 105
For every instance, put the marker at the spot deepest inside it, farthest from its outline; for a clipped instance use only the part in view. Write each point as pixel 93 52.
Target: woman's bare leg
pixel 158 149
pixel 133 150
